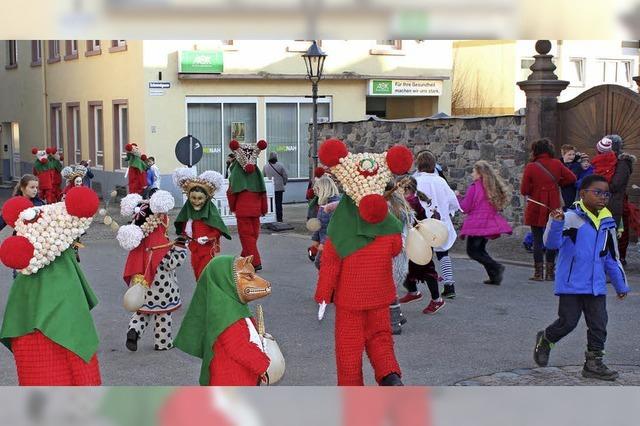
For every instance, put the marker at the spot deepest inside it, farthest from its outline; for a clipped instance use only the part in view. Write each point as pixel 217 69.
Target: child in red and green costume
pixel 247 196
pixel 55 162
pixel 137 173
pixel 199 219
pixel 218 326
pixel 46 169
pixel 47 324
pixel 356 271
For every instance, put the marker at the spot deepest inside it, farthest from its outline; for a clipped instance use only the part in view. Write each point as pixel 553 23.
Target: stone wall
pixel 457 143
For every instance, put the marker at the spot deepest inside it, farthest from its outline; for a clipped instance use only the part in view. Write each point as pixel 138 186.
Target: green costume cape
pixel 136 162
pixel 349 232
pixel 209 214
pixel 240 181
pixel 56 301
pixel 214 307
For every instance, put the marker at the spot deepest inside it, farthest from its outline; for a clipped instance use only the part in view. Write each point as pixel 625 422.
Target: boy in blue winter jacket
pixel 586 238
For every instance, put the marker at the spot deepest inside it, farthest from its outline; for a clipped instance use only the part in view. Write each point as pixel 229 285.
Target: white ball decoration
pixel 314 224
pixel 129 203
pixel 102 212
pixel 433 231
pixel 129 236
pixel 162 201
pixel 417 249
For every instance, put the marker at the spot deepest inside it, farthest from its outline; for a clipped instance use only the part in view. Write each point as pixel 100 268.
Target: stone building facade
pixel 457 143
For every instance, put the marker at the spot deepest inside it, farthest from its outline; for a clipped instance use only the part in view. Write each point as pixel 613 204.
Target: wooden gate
pixel 603 110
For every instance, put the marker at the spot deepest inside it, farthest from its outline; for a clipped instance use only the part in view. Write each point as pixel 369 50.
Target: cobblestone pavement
pixel 554 376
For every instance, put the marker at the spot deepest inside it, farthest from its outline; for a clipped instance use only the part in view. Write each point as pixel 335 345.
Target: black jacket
pixel 618 184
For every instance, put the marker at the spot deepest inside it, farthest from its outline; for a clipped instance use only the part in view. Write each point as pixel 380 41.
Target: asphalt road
pixel 485 330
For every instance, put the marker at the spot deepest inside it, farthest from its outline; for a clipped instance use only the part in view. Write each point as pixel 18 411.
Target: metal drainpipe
pixel 46 95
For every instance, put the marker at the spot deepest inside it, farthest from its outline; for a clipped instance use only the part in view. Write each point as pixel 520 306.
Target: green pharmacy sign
pixel 382 87
pixel 201 62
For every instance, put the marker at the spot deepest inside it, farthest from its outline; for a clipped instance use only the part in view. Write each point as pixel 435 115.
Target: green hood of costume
pixel 136 162
pixel 209 214
pixel 56 301
pixel 214 307
pixel 240 181
pixel 349 232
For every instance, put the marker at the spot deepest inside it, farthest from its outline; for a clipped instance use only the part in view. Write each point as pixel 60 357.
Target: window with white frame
pixel 575 72
pixel 121 133
pixel 36 52
pixel 73 132
pixel 56 127
pixel 387 47
pixel 215 121
pixel 12 54
pixel 613 71
pixel 71 49
pixel 93 48
pixel 54 50
pixel 525 65
pixel 97 134
pixel 288 124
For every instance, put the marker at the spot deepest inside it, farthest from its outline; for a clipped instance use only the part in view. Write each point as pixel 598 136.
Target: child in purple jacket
pixel 487 195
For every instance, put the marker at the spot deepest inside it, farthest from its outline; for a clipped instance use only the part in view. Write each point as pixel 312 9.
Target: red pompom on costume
pixel 47 321
pixel 16 252
pixel 247 196
pixel 356 270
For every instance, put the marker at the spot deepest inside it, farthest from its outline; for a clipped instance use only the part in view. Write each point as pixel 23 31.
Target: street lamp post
pixel 314 60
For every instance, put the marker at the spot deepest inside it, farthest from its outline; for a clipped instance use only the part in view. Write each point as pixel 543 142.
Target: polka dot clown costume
pixel 137 172
pixel 199 219
pixel 356 272
pixel 218 326
pixel 47 324
pixel 151 264
pixel 247 196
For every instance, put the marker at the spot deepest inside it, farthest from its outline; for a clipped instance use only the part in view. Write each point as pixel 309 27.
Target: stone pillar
pixel 542 89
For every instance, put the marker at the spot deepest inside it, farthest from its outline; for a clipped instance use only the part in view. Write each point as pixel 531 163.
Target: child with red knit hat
pixel 604 163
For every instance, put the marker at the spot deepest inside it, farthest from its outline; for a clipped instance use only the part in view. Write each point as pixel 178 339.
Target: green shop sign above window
pixel 201 62
pixel 405 88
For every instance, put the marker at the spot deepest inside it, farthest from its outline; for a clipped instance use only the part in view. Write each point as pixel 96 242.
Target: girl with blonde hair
pixel 328 197
pixel 485 198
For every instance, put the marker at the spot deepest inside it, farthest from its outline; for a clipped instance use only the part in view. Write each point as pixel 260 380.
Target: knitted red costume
pixel 247 196
pixel 238 361
pixel 201 254
pixel 356 271
pixel 362 288
pixel 248 207
pixel 41 360
pixel 604 164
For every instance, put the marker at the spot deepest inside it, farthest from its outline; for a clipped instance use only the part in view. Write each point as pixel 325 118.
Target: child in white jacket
pixel 444 205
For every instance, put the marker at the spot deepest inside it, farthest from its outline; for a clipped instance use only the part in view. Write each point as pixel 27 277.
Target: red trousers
pixel 42 362
pixel 201 255
pixel 249 231
pixel 357 331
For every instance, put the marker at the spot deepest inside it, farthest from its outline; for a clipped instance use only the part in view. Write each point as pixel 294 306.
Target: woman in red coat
pixel 541 183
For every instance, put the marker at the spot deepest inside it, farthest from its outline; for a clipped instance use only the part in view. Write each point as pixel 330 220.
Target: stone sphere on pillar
pixel 543 47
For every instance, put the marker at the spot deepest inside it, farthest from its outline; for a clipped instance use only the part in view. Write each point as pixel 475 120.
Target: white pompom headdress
pixel 209 180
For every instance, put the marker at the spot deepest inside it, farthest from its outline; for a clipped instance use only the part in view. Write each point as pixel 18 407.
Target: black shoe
pixel 392 379
pixel 496 278
pixel 594 368
pixel 132 340
pixel 396 329
pixel 449 291
pixel 257 268
pixel 542 350
pixel 312 257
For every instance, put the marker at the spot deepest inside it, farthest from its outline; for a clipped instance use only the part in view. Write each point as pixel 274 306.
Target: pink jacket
pixel 482 220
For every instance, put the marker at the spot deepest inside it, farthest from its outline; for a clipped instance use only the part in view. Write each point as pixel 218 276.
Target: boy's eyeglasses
pixel 598 193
